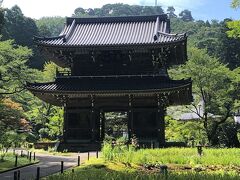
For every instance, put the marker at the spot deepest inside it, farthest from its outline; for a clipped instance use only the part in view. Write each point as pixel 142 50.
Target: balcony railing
pixel 67 73
pixel 60 74
pixel 63 73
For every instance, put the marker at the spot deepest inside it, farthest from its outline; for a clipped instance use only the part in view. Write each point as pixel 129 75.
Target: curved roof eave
pixel 120 46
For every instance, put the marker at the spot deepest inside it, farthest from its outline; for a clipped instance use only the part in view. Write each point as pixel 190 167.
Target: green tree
pixel 118 9
pixel 7 140
pixel 177 130
pixel 14 71
pixel 47 119
pixel 50 26
pixel 214 84
pixel 18 27
pixel 171 12
pixel 235 3
pixel 22 29
pixel 234 26
pixel 234 30
pixel 186 15
pixel 1 19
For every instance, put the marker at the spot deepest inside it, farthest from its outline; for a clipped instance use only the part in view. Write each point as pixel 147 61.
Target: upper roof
pixel 114 31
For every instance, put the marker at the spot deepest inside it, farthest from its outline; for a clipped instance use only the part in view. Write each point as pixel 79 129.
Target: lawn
pixel 189 156
pixel 183 163
pixel 9 162
pixel 101 170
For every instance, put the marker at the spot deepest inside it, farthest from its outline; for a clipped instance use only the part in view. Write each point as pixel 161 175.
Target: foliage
pixel 14 71
pixel 1 19
pixel 234 30
pixel 8 140
pixel 171 12
pixel 215 85
pixel 186 15
pixel 19 27
pixel 212 37
pixel 118 9
pixel 47 121
pixel 235 3
pixel 50 26
pixel 188 132
pixel 115 123
pixel 11 113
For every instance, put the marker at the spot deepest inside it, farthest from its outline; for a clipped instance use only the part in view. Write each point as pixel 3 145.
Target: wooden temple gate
pixel 114 64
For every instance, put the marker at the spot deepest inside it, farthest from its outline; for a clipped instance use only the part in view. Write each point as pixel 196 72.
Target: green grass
pixel 9 162
pixel 189 156
pixel 122 162
pixel 102 170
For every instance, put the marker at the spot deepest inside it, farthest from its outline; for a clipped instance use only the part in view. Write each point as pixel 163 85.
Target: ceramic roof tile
pixel 111 31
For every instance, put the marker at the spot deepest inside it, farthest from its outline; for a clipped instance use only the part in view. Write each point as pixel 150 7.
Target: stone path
pixel 48 164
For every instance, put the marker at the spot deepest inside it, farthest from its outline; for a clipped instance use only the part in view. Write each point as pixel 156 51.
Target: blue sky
pixel 201 9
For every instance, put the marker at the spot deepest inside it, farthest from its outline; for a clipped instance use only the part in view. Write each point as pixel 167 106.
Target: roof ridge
pixel 107 19
pixel 39 38
pixel 70 31
pixel 172 34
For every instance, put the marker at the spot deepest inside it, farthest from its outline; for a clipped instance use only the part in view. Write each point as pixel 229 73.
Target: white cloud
pixel 37 9
pixel 183 4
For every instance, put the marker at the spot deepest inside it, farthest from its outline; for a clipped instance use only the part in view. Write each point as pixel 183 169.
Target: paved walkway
pixel 48 164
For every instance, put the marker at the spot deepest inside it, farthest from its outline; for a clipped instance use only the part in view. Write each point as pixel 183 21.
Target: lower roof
pixel 110 84
pixel 67 89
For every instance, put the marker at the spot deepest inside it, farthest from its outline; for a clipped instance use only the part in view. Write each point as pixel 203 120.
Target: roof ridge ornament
pixel 172 34
pixel 38 38
pixel 70 31
pixel 156 29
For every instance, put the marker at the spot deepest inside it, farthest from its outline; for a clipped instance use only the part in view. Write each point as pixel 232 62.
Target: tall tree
pixel 234 26
pixel 171 12
pixel 217 86
pixel 50 26
pixel 235 3
pixel 19 27
pixel 118 9
pixel 22 29
pixel 14 71
pixel 186 15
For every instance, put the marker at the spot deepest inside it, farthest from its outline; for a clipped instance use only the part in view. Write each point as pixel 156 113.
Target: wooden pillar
pixel 102 135
pixel 93 118
pixel 161 122
pixel 130 118
pixel 161 127
pixel 65 124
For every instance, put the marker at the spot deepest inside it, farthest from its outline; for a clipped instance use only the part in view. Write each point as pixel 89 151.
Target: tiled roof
pixel 114 31
pixel 110 84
